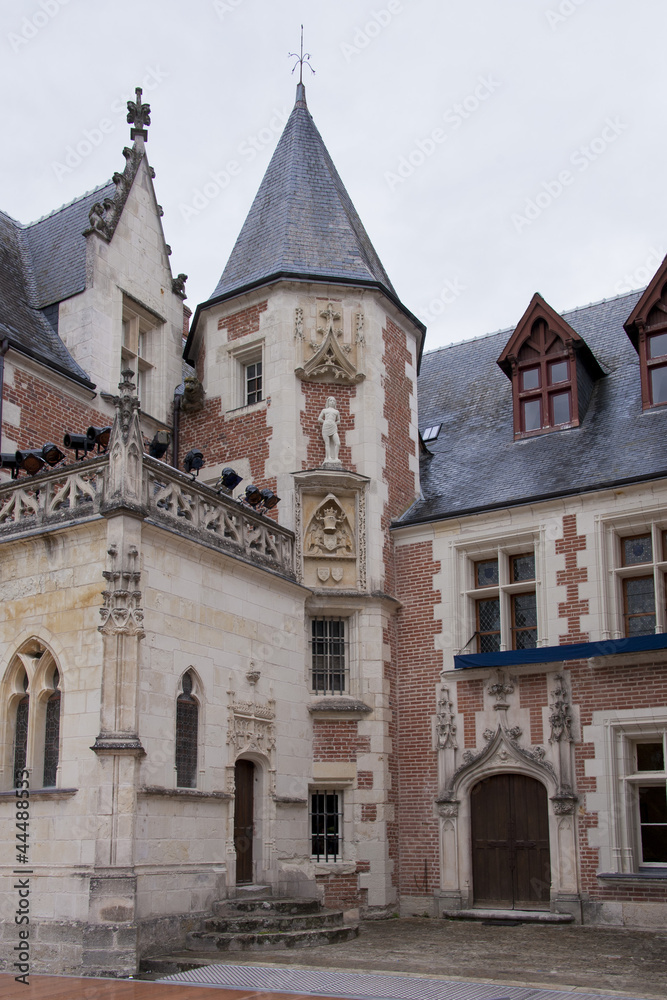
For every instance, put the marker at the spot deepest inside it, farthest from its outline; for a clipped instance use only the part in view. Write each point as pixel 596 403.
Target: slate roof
pixel 58 248
pixel 21 322
pixel 302 221
pixel 476 463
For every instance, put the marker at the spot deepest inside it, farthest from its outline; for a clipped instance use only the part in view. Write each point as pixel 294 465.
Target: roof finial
pixel 300 59
pixel 138 114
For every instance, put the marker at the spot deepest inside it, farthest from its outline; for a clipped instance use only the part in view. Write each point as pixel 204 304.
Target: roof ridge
pixel 509 329
pixel 49 215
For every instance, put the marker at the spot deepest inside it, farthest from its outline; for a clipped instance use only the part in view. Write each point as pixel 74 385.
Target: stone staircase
pixel 255 924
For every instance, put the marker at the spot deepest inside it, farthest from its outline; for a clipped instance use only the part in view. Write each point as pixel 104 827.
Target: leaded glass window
pixel 21 737
pixel 187 735
pixel 52 735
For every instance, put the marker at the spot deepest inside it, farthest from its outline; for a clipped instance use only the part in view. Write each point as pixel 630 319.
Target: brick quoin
pixel 338 740
pixel 390 674
pixel 533 695
pixel 369 812
pixel 315 400
pixel 364 779
pixel 419 666
pixel 243 322
pixel 398 445
pixel 470 698
pixel 572 607
pixel 46 413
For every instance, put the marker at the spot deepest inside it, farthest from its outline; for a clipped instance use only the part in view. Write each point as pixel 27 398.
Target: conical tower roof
pixel 302 222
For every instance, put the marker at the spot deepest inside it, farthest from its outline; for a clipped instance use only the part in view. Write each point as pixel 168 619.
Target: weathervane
pixel 304 57
pixel 138 114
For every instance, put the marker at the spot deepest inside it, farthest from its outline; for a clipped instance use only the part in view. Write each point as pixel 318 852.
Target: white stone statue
pixel 330 418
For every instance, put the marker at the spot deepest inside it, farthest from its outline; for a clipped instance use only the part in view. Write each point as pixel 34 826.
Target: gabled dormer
pixel 552 370
pixel 647 329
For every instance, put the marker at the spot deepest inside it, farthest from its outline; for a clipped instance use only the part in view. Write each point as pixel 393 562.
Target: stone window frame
pixel 610 531
pixel 141 346
pixel 197 693
pixel 36 662
pixel 616 800
pixel 469 551
pixel 240 358
pixel 350 617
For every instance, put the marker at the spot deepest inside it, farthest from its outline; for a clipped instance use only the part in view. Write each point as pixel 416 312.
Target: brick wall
pixel 342 891
pixel 572 608
pixel 470 698
pixel 419 666
pixel 243 322
pixel 335 739
pixel 533 696
pixel 46 413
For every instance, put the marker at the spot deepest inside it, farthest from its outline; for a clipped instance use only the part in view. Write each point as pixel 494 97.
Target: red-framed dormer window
pixel 647 329
pixel 543 385
pixel 548 363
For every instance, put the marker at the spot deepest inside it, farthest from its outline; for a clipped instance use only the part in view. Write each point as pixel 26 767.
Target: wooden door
pixel 244 777
pixel 510 843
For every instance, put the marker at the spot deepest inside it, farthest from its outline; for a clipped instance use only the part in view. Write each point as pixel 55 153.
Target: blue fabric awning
pixel 553 654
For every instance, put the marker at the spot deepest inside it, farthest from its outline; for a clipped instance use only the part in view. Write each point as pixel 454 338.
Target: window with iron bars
pixel 326 825
pixel 329 649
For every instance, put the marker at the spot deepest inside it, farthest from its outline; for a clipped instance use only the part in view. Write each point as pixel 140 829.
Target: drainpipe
pixel 174 430
pixel 4 347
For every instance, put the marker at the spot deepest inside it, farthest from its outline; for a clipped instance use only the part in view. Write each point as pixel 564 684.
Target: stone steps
pixel 253 923
pixel 521 916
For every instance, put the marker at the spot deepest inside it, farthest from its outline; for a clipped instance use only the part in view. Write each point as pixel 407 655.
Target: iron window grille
pixel 52 735
pixel 329 656
pixel 187 736
pixel 326 825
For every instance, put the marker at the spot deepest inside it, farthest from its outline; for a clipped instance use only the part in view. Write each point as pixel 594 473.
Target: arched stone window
pixel 187 734
pixel 52 734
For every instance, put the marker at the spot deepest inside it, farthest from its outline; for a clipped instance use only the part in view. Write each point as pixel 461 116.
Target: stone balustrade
pixel 171 499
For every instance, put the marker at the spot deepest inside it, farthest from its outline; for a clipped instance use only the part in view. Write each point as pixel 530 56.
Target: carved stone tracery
pixel 333 357
pixel 121 613
pixel 251 727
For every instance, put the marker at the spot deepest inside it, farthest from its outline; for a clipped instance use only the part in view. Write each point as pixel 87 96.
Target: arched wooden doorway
pixel 244 819
pixel 510 843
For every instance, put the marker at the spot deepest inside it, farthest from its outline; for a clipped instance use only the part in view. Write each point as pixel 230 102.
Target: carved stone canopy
pixel 333 359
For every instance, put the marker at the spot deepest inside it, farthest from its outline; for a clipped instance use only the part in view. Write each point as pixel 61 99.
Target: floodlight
pixel 269 499
pixel 78 442
pixel 230 479
pixel 31 461
pixel 158 446
pixel 52 454
pixel 8 461
pixel 98 436
pixel 252 496
pixel 193 461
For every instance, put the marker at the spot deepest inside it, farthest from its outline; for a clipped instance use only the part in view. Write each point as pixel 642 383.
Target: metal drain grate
pixel 366 986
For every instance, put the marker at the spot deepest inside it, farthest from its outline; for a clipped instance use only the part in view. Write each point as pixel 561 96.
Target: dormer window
pixel 647 329
pixel 552 372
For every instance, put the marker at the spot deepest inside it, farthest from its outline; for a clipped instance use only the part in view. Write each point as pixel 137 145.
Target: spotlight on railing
pixel 229 480
pixel 252 496
pixel 77 443
pixel 31 461
pixel 193 461
pixel 52 454
pixel 269 499
pixel 159 445
pixel 8 461
pixel 99 436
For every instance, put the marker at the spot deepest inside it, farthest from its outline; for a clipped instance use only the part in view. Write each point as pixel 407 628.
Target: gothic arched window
pixel 21 732
pixel 52 734
pixel 187 733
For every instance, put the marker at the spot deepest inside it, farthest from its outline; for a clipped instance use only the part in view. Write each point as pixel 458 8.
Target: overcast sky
pixel 493 148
